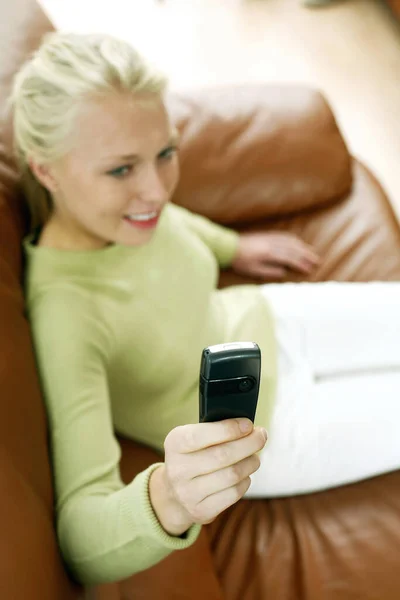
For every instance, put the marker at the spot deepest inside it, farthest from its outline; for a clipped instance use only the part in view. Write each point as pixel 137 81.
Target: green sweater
pixel 118 334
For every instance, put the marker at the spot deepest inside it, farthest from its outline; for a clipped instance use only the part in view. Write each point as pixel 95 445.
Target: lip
pixel 143 224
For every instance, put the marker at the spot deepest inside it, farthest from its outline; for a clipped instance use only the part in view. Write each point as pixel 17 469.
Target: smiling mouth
pixel 147 220
pixel 142 217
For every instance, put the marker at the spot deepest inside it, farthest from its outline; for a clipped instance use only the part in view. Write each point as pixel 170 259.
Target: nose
pixel 150 186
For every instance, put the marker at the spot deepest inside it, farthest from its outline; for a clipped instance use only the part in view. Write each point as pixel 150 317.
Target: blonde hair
pixel 49 89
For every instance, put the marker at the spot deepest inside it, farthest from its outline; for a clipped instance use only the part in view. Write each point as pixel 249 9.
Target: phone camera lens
pixel 246 384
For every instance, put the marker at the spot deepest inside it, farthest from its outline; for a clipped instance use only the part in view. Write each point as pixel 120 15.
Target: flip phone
pixel 229 381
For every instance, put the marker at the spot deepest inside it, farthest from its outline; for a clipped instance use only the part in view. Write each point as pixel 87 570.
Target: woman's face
pixel 123 169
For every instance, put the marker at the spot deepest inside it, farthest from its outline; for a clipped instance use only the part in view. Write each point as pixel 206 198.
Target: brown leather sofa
pixel 255 157
pixel 395 6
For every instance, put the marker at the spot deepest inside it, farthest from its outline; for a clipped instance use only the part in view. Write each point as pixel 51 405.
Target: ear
pixel 44 175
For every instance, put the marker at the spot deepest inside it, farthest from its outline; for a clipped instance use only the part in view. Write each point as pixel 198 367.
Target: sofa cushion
pixel 256 151
pixel 340 544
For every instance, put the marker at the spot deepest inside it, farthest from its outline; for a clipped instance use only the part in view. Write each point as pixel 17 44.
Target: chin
pixel 141 239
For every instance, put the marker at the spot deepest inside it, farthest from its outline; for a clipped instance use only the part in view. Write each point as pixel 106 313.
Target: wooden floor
pixel 350 50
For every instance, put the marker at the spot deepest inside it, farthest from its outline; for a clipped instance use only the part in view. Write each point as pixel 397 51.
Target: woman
pixel 121 295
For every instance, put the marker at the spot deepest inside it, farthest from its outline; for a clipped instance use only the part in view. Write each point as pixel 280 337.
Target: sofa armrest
pixel 258 151
pixel 357 238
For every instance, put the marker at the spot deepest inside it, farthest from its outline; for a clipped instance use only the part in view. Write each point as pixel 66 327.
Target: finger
pixel 299 264
pixel 312 256
pixel 206 485
pixel 293 259
pixel 304 267
pixel 225 455
pixel 215 504
pixel 308 253
pixel 289 240
pixel 266 271
pixel 193 438
pixel 301 248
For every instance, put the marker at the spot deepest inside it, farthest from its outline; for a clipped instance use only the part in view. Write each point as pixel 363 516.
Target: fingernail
pixel 265 433
pixel 245 425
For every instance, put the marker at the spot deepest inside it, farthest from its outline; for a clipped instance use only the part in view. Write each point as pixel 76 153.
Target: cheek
pixel 78 187
pixel 90 197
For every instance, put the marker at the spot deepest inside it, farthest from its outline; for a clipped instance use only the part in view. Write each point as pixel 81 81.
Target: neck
pixel 56 234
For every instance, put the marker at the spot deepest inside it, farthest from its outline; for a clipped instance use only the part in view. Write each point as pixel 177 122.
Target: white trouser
pixel 337 411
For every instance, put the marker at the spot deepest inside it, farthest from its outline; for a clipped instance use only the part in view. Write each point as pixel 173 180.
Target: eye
pixel 168 153
pixel 120 172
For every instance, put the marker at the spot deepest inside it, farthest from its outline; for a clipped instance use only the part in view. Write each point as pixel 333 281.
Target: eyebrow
pixel 173 140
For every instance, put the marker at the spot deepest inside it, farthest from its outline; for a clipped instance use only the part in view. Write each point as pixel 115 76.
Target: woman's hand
pixel 269 255
pixel 207 468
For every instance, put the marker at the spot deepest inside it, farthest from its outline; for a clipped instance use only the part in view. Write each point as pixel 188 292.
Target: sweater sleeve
pixel 222 241
pixel 107 531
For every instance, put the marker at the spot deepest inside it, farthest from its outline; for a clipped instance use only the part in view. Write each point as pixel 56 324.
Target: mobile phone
pixel 229 381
